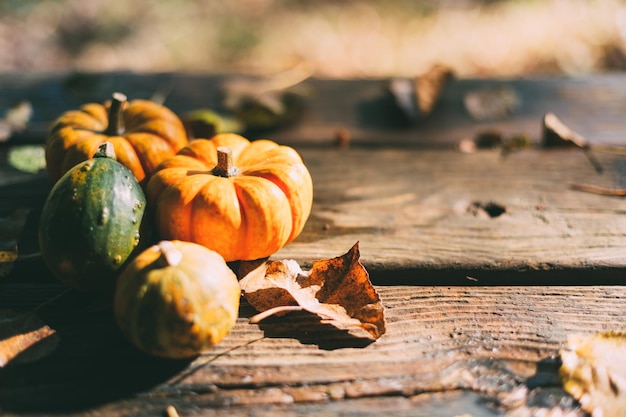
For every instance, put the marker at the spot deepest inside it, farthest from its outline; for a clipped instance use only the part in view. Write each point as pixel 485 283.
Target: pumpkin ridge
pixel 182 208
pixel 274 179
pixel 244 219
pixel 216 185
pixel 177 311
pixel 97 112
pixel 128 156
pixel 267 219
pixel 267 206
pixel 93 118
pixel 299 213
pixel 90 223
pixel 73 155
pixel 143 146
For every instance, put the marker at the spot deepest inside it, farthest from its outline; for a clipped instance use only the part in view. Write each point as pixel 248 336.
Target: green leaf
pixel 27 158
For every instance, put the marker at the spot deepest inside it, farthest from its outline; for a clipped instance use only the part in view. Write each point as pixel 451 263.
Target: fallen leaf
pixel 15 119
pixel 10 230
pixel 27 158
pixel 491 103
pixel 593 371
pixel 337 290
pixel 19 115
pixel 557 134
pixel 430 85
pixel 24 337
pixel 206 123
pixel 266 103
pixel 5 131
pixel 418 96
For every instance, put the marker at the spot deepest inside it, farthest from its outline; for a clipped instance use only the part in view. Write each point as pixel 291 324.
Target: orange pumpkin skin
pixel 176 299
pixel 148 133
pixel 249 215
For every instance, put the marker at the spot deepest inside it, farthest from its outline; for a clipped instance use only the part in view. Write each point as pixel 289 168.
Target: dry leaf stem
pixel 594 189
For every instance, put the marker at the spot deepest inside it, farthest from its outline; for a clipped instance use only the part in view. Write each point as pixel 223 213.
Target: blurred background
pixel 343 38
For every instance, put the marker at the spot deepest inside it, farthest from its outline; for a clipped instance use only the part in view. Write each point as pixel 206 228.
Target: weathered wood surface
pixel 428 211
pixel 498 342
pixel 593 106
pixel 460 339
pixel 446 211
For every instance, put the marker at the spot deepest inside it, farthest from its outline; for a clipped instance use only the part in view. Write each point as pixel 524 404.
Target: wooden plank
pixel 593 106
pixel 493 341
pixel 421 212
pixel 428 210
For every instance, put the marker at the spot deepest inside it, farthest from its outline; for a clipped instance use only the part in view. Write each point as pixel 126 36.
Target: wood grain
pixel 592 106
pixel 429 210
pixel 484 262
pixel 492 341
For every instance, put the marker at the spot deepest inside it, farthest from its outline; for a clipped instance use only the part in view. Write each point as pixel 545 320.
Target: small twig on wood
pixel 614 192
pixel 257 318
pixel 51 300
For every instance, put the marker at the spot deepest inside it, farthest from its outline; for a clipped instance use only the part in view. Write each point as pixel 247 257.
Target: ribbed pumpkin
pixel 242 199
pixel 91 222
pixel 176 299
pixel 143 133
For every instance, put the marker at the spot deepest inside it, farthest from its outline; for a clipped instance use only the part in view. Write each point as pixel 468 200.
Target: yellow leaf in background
pixel 337 290
pixel 593 371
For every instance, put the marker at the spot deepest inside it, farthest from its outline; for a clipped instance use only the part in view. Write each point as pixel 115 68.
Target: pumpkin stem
pixel 116 123
pixel 105 150
pixel 170 256
pixel 225 166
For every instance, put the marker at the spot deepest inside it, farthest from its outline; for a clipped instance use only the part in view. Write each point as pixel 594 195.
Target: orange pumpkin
pixel 142 132
pixel 176 299
pixel 242 199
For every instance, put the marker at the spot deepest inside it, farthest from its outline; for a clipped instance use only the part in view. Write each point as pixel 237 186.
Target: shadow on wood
pixel 93 365
pixel 308 330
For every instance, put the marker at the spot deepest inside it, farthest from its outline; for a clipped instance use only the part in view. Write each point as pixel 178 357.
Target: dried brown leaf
pixel 418 96
pixel 430 85
pixel 24 337
pixel 556 133
pixel 337 290
pixel 593 371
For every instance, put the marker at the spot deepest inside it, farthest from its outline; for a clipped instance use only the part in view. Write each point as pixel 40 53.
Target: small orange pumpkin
pixel 242 199
pixel 176 299
pixel 142 132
